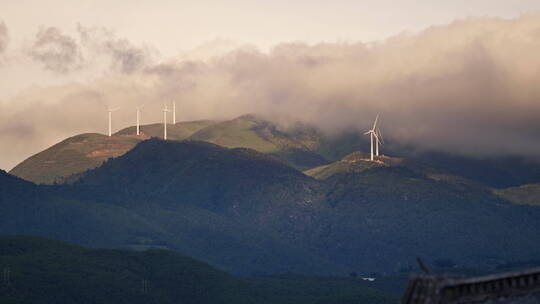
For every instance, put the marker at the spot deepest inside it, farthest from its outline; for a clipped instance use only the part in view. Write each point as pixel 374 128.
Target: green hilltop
pixel 354 162
pixel 528 194
pixel 297 145
pixel 178 131
pixel 65 161
pixel 254 132
pixel 72 156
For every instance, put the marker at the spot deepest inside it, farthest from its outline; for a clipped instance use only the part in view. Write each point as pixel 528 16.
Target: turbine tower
pixel 373 133
pixel 165 110
pixel 174 113
pixel 380 139
pixel 110 119
pixel 138 117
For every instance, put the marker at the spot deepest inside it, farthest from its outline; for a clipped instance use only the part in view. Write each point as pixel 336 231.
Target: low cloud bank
pixel 469 87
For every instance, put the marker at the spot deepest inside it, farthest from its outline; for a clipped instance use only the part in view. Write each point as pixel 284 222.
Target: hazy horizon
pixel 461 78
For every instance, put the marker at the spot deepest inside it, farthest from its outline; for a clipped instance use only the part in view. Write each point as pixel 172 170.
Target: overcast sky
pixel 444 72
pixel 260 22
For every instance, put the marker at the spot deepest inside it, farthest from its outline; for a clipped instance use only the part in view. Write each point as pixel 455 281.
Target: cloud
pixel 469 87
pixel 127 58
pixel 123 55
pixel 4 37
pixel 96 48
pixel 56 51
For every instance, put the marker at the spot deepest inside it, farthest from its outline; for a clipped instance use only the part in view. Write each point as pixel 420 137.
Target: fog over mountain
pixel 470 87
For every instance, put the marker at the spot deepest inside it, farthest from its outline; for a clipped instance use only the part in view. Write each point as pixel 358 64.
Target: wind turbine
pixel 138 117
pixel 110 119
pixel 165 110
pixel 373 133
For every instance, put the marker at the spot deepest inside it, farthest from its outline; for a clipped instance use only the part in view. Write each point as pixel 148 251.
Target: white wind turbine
pixel 110 119
pixel 373 133
pixel 138 117
pixel 165 110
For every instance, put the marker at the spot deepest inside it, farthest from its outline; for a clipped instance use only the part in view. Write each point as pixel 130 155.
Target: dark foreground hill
pixel 376 218
pixel 247 212
pixel 401 213
pixel 403 208
pixel 47 271
pixel 162 208
pixel 232 181
pixel 236 208
pixel 26 208
pixel 38 270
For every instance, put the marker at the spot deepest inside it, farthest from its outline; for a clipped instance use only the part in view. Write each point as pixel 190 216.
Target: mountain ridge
pixel 66 160
pixel 300 145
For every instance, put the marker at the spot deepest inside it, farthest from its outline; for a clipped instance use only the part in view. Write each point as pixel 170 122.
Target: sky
pixel 257 22
pixel 457 76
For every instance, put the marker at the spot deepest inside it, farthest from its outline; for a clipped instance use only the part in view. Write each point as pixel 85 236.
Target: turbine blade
pixel 375 123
